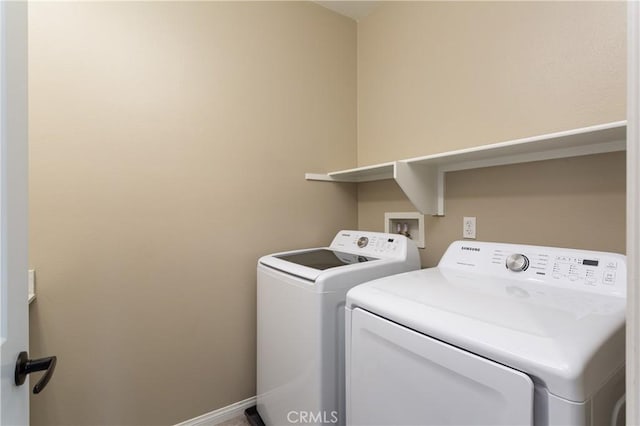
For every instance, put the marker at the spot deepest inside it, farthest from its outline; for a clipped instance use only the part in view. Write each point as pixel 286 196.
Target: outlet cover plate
pixel 469 227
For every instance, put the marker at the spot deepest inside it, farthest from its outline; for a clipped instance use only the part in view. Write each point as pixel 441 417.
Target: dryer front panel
pixel 398 376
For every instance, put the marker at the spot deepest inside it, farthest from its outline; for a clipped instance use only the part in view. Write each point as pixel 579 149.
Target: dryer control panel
pixel 593 271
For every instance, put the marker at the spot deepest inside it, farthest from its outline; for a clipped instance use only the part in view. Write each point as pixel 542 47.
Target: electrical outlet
pixel 469 227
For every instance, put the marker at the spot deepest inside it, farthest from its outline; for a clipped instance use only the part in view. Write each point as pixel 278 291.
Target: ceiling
pixel 354 9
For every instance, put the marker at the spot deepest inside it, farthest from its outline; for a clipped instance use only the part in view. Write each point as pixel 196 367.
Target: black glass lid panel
pixel 324 259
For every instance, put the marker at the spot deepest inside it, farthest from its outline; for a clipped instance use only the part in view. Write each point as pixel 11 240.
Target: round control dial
pixel 362 242
pixel 517 262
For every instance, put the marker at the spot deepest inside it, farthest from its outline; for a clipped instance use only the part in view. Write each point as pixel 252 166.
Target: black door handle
pixel 25 366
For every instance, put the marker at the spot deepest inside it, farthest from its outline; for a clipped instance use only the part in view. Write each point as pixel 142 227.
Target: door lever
pixel 25 366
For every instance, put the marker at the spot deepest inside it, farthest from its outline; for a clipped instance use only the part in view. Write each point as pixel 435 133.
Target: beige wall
pixel 168 146
pixel 433 77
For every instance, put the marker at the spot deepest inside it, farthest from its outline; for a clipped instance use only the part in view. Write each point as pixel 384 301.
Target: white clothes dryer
pixel 496 334
pixel 300 320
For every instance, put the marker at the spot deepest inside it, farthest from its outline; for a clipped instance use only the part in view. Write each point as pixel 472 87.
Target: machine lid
pixel 571 341
pixel 324 258
pixel 309 264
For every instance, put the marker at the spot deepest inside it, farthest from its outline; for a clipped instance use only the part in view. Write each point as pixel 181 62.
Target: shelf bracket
pixel 440 191
pixel 418 181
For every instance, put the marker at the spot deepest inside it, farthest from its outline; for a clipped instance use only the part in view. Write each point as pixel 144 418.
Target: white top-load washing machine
pixel 496 334
pixel 300 319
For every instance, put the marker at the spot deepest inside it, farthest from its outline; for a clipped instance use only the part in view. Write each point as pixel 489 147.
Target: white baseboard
pixel 221 415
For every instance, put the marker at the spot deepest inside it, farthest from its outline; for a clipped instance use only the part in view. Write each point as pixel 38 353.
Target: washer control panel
pixel 375 244
pixel 593 271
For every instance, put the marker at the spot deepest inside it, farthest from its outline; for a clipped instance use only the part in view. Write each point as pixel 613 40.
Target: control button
pixel 609 278
pixel 517 262
pixel 362 242
pixel 573 277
